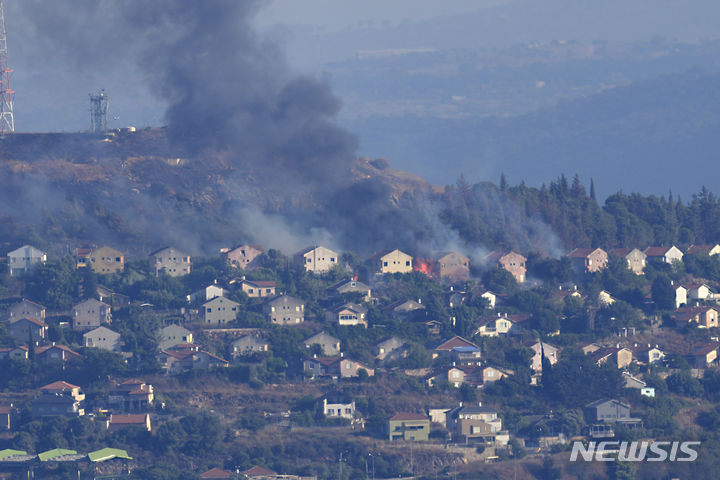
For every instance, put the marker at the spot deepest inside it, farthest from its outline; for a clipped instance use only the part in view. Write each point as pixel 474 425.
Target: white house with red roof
pixel 667 254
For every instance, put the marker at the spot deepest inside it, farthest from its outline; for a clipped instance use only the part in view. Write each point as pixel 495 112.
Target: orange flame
pixel 424 266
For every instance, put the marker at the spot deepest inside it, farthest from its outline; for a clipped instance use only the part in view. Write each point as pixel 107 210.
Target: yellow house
pixel 395 261
pixel 105 260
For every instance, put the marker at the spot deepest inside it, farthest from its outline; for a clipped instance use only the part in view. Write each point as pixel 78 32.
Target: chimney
pixel 314 355
pixel 342 354
pixel 242 278
pixel 453 364
pixel 419 300
pixel 460 404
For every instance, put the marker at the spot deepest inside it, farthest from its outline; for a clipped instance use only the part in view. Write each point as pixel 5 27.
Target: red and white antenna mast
pixel 7 94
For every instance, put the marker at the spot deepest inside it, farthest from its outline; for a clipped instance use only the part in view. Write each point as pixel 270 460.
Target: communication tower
pixel 98 112
pixel 7 94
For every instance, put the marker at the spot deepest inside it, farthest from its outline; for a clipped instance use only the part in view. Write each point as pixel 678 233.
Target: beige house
pixel 703 317
pixel 681 295
pixel 205 294
pixel 551 353
pixel 699 291
pixel 453 267
pixel 244 256
pixel 329 345
pixel 248 344
pixel 119 421
pixel 511 261
pixel 174 335
pixel 704 356
pixel 348 314
pixel 90 314
pixel 105 260
pixel 23 259
pixel 285 310
pixel 103 338
pixel 619 357
pixel 59 399
pixel 394 261
pixel 352 286
pixel 636 259
pixel 219 311
pixel 26 309
pixel 648 355
pixel 493 326
pixel 27 329
pixel 171 261
pixel 588 259
pixel 665 254
pixel 317 259
pixel 478 424
pixel 258 288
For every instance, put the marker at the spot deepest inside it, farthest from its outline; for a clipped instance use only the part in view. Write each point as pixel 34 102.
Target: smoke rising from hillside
pixel 225 87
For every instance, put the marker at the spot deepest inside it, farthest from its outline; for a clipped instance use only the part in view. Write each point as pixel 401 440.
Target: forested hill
pixel 486 213
pixel 136 194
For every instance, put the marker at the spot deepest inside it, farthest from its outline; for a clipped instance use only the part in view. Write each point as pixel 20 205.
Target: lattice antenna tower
pixel 98 112
pixel 7 94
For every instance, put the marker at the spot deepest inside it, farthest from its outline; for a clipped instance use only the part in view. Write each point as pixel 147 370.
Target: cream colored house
pixel 106 260
pixel 666 254
pixel 103 338
pixel 244 256
pixel 174 335
pixel 511 261
pixel 219 311
pixel 172 261
pixel 24 258
pixel 317 259
pixel 636 259
pixel 90 314
pixel 394 261
pixel 453 267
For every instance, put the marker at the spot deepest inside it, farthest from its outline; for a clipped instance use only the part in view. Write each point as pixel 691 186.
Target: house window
pixel 385 264
pixel 407 263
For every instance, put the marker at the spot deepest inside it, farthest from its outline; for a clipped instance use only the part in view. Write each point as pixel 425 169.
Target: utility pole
pixel 7 94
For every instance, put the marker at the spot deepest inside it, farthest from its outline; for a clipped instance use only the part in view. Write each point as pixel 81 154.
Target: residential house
pixel 260 473
pixel 247 345
pixel 328 345
pixel 664 254
pixel 348 314
pixel 120 421
pixel 103 338
pixel 322 367
pixel 106 260
pixel 409 427
pixel 317 259
pixel 346 287
pixel 703 317
pixel 393 261
pixel 588 259
pixel 511 261
pixel 489 374
pixel 59 399
pixel 7 417
pixel 26 309
pixel 453 267
pixel 632 381
pixel 285 310
pixel 647 355
pixel 16 353
pixel 173 335
pixel 402 309
pixel 51 354
pixel 617 356
pixel 178 360
pixel 258 288
pixel 389 348
pixel 460 350
pixel 635 258
pixel 681 295
pixel 338 405
pixel 216 474
pixel 246 257
pixel 539 348
pixel 219 311
pixel 703 250
pixel 489 296
pixel 334 367
pixel 699 291
pixel 90 314
pixel 478 424
pixel 22 259
pixel 605 299
pixel 28 329
pixel 608 411
pixel 171 261
pixel 496 325
pixel 704 356
pixel 116 300
pixel 207 293
pixel 351 368
pixel 132 395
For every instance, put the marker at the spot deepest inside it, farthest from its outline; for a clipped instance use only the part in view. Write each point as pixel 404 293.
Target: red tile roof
pixel 258 471
pixel 581 252
pixel 657 251
pixel 129 419
pixel 455 342
pixel 699 249
pixel 216 473
pixel 59 385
